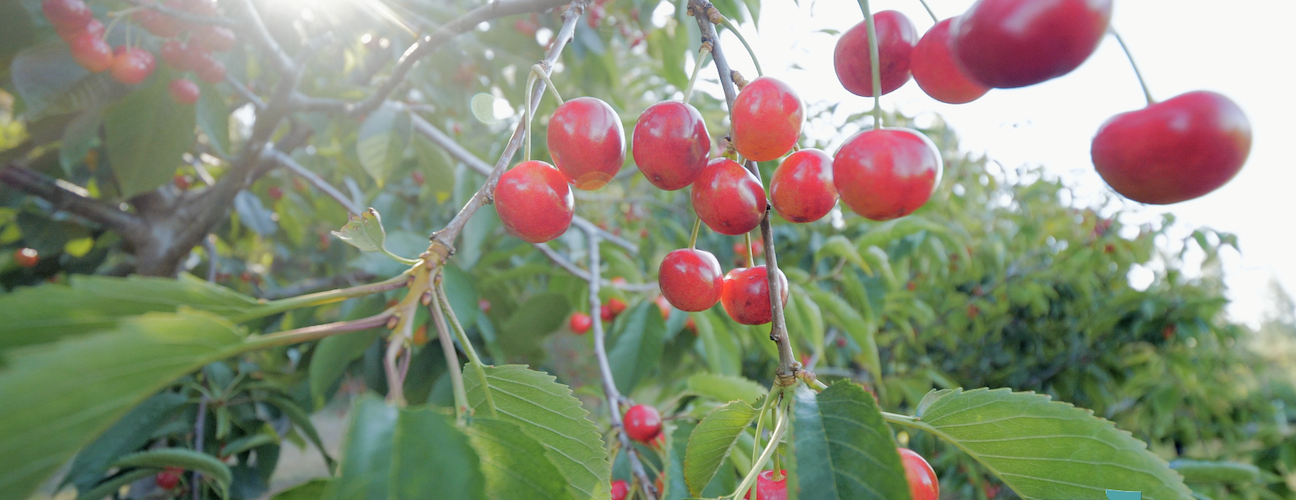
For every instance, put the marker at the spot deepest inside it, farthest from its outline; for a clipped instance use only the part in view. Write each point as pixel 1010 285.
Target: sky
pixel 1241 48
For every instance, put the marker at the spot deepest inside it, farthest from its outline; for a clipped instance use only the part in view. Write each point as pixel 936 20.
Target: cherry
pixel 642 423
pixel 26 257
pixel 616 306
pixel 212 72
pixel 1174 150
pixel 1015 43
pixel 769 489
pixel 923 484
pixel 671 144
pixel 767 118
pixel 740 251
pixel 691 279
pixel 484 305
pixel 936 71
pixel 158 23
pixel 67 15
pixel 175 54
pixel 746 294
pixel 886 174
pixel 131 65
pixel 91 52
pixel 534 201
pixel 620 490
pixel 896 39
pixel 94 28
pixel 728 198
pixel 587 142
pixel 168 479
pixel 580 323
pixel 214 38
pixel 275 193
pixel 605 314
pixel 801 188
pixel 186 92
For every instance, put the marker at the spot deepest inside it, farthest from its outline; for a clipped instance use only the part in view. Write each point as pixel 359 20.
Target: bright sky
pixel 1240 48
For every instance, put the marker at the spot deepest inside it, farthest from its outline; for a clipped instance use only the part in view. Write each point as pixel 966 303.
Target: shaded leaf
pixel 146 133
pixel 183 458
pixel 711 441
pixel 514 463
pixel 636 344
pixel 128 434
pixel 843 448
pixel 725 387
pixel 80 136
pixel 382 140
pixel 841 314
pixel 254 214
pixel 212 115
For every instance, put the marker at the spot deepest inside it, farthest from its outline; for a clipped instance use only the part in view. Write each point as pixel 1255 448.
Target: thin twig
pixel 200 431
pixel 316 332
pixel 571 267
pixel 288 162
pixel 281 58
pixel 245 92
pixel 316 284
pixel 64 198
pixel 453 366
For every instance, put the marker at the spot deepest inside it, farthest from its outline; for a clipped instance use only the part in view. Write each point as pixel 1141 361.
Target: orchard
pixel 549 249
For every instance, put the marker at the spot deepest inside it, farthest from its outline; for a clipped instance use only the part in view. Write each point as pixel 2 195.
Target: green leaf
pixel 331 357
pixel 437 167
pixel 309 490
pixel 302 420
pixel 80 136
pixel 1202 471
pixel 365 231
pixel 811 319
pixel 212 114
pixel 535 319
pixel 711 441
pixel 254 214
pixel 514 463
pixel 1046 449
pixel 637 342
pixel 547 411
pixel 725 387
pixel 183 458
pixel 61 412
pixel 115 483
pixel 843 448
pixel 839 246
pixel 129 434
pixel 720 349
pixel 146 133
pixel 862 332
pixel 382 140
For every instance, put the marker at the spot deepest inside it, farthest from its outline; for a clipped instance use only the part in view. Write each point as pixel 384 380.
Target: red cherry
pixel 886 174
pixel 728 198
pixel 94 28
pixel 484 305
pixel 616 306
pixel 1174 150
pixel 26 257
pixel 605 314
pixel 663 305
pixel 936 71
pixel 923 484
pixel 580 323
pixel 690 279
pixel 275 193
pixel 175 54
pixel 746 295
pixel 187 92
pixel 91 52
pixel 181 182
pixel 767 118
pixel 1015 43
pixel 896 39
pixel 620 490
pixel 586 142
pixel 67 15
pixel 169 478
pixel 534 202
pixel 769 489
pixel 214 72
pixel 671 144
pixel 642 423
pixel 131 65
pixel 801 188
pixel 525 27
pixel 214 38
pixel 158 23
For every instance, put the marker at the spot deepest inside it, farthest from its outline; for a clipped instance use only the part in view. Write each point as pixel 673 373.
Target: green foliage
pixel 842 448
pixel 148 132
pixel 711 441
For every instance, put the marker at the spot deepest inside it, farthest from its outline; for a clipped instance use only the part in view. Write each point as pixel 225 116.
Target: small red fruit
pixel 214 38
pixel 131 65
pixel 168 479
pixel 587 142
pixel 746 295
pixel 94 27
pixel 176 55
pixel 690 279
pixel 186 92
pixel 769 489
pixel 580 323
pixel 767 119
pixel 616 306
pixel 886 174
pixel 534 202
pixel 484 305
pixel 275 193
pixel 620 490
pixel 158 23
pixel 26 257
pixel 605 314
pixel 418 177
pixel 923 484
pixel 642 423
pixel 91 52
pixel 211 72
pixel 851 57
pixel 664 306
pixel 1015 43
pixel 67 15
pixel 801 188
pixel 936 71
pixel 728 198
pixel 671 144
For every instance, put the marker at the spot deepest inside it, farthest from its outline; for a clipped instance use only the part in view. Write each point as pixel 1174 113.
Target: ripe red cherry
pixel 767 118
pixel 620 490
pixel 214 38
pixel 158 23
pixel 691 279
pixel 801 188
pixel 131 65
pixel 746 294
pixel 923 484
pixel 936 71
pixel 67 15
pixel 186 92
pixel 769 489
pixel 642 423
pixel 1174 150
pixel 26 257
pixel 616 306
pixel 534 202
pixel 605 314
pixel 671 144
pixel 91 52
pixel 886 174
pixel 728 198
pixel 94 28
pixel 175 54
pixel 1015 43
pixel 213 72
pixel 896 39
pixel 580 323
pixel 168 479
pixel 587 142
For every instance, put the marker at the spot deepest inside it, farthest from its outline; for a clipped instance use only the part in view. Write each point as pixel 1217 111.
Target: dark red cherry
pixel 886 174
pixel 728 198
pixel 69 16
pixel 187 92
pixel 1174 150
pixel 1015 43
pixel 671 144
pixel 91 52
pixel 587 142
pixel 896 39
pixel 936 71
pixel 131 65
pixel 690 279
pixel 801 188
pixel 923 484
pixel 767 118
pixel 746 295
pixel 158 23
pixel 534 201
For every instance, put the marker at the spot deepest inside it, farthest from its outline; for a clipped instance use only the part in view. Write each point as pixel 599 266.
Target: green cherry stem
pixel 697 68
pixel 1128 55
pixel 929 11
pixel 531 79
pixel 697 225
pixel 734 29
pixel 779 428
pixel 874 64
pixel 539 71
pixel 751 258
pixel 444 303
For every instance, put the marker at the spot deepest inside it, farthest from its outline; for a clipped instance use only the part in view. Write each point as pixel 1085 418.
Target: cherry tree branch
pixel 281 58
pixel 288 162
pixel 69 200
pixel 571 267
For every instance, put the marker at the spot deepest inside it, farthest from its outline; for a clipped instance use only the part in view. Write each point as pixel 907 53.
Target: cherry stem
pixel 751 258
pixel 539 71
pixel 734 29
pixel 531 79
pixel 697 225
pixel 697 69
pixel 1128 55
pixel 875 65
pixel 779 428
pixel 929 11
pixel 444 302
pixel 452 362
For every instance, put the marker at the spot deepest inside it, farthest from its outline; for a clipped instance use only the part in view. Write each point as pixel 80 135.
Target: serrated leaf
pixel 711 441
pixel 1203 471
pixel 637 342
pixel 80 136
pixel 862 332
pixel 725 387
pixel 130 433
pixel 183 458
pixel 844 450
pixel 514 463
pixel 382 140
pixel 146 133
pixel 1046 449
pixel 364 231
pixel 547 411
pixel 840 247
